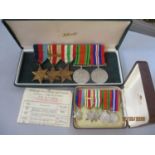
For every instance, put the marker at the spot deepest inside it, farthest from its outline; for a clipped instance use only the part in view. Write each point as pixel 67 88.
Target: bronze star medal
pixel 92 116
pixel 40 74
pixel 65 74
pixel 53 75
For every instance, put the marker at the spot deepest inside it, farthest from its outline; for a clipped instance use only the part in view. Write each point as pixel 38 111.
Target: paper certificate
pixel 46 107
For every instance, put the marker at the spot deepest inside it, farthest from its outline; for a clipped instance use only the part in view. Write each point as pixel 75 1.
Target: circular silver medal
pixel 81 76
pixel 105 117
pixel 78 115
pixel 113 117
pixel 99 76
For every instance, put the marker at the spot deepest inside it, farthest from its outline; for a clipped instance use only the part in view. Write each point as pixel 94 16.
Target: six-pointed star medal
pixel 65 74
pixel 53 75
pixel 40 74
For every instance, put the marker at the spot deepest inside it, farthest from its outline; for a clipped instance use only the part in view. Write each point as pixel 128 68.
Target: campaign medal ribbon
pixel 99 75
pixel 79 100
pixel 53 50
pixel 35 47
pixel 45 52
pixel 105 117
pixel 81 75
pixel 116 95
pixel 92 100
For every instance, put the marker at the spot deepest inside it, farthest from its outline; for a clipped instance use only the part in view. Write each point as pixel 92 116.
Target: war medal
pixel 98 58
pixel 82 59
pixel 115 105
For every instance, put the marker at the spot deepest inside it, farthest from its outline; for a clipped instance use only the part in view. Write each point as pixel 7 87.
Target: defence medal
pixel 82 58
pixel 105 117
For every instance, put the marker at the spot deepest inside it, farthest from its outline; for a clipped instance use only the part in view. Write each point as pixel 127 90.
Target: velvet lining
pixel 28 65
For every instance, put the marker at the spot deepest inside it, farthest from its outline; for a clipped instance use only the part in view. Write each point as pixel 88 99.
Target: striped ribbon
pixel 68 53
pixel 84 54
pixel 35 47
pixel 38 53
pixel 97 54
pixel 77 55
pixel 53 50
pixel 45 52
pixel 98 98
pixel 79 98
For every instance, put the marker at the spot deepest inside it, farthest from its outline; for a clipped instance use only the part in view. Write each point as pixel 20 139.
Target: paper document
pixel 46 107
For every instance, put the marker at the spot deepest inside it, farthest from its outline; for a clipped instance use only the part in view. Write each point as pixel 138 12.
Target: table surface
pixel 135 47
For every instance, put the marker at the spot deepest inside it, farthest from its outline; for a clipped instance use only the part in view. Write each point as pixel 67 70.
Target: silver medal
pixel 78 115
pixel 81 76
pixel 105 117
pixel 99 76
pixel 113 117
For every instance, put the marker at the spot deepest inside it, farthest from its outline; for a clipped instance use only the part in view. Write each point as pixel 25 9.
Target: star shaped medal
pixel 53 75
pixel 65 74
pixel 40 74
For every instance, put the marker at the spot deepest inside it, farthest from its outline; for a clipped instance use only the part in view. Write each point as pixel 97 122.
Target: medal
pixel 79 100
pixel 115 97
pixel 105 117
pixel 54 53
pixel 113 117
pixel 53 75
pixel 65 74
pixel 81 58
pixel 81 76
pixel 92 116
pixel 92 100
pixel 40 74
pixel 97 58
pixel 99 76
pixel 88 104
pixel 40 53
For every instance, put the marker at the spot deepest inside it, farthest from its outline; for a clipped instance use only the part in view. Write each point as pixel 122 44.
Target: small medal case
pixel 132 104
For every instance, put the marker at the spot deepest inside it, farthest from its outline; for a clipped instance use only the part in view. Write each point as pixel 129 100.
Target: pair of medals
pixel 90 55
pixel 99 104
pixel 98 76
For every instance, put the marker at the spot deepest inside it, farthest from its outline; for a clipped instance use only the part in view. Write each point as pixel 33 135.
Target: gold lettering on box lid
pixel 69 34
